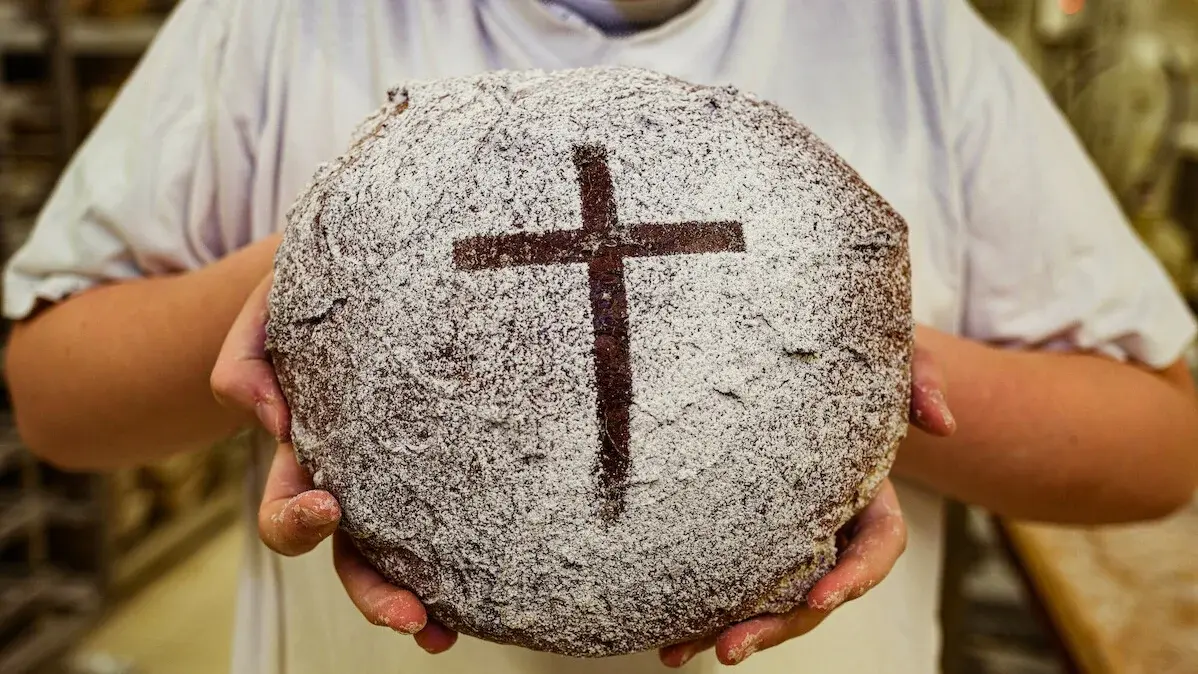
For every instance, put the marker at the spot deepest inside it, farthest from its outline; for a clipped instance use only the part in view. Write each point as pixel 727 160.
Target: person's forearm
pixel 1058 437
pixel 119 375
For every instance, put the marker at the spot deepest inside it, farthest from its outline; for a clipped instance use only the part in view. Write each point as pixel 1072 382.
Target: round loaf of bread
pixel 595 361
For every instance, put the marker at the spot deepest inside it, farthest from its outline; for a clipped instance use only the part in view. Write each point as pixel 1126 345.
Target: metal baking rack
pixel 72 544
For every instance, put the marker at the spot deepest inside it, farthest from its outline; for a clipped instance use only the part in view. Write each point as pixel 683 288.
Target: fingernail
pixel 687 654
pixel 268 417
pixel 317 515
pixel 396 604
pixel 383 610
pixel 749 647
pixel 410 628
pixel 941 404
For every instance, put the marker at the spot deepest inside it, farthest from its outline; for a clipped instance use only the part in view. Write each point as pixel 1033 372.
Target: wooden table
pixel 1123 599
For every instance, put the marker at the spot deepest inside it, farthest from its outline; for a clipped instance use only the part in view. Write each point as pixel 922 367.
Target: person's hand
pixel 874 540
pixel 294 516
pixel 929 405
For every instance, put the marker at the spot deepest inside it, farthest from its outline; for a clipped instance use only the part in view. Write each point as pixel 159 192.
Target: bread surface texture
pixel 595 361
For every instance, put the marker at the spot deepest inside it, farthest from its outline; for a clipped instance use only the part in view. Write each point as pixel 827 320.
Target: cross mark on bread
pixel 603 244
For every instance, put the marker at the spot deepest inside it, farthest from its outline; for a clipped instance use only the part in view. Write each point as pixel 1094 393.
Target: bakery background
pixel 134 571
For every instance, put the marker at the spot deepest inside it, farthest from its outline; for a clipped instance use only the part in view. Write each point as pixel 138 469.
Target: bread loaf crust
pixel 450 404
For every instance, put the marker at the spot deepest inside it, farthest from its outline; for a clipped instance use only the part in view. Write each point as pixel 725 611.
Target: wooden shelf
pixel 57 589
pixel 11 453
pixel 1118 597
pixel 43 643
pixel 85 37
pixel 15 597
pixel 59 510
pixel 20 513
pixel 17 515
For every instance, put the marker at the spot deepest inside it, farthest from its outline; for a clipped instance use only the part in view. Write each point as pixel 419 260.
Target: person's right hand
pixel 294 516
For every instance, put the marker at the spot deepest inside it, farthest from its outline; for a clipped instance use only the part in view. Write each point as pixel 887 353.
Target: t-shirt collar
pixel 621 17
pixel 555 36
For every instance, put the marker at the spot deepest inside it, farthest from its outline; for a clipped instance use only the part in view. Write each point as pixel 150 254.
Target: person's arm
pixel 144 252
pixel 1079 413
pixel 119 375
pixel 1069 438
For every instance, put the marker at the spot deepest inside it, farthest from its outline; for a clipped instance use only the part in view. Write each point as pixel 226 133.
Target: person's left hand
pixel 876 538
pixel 294 516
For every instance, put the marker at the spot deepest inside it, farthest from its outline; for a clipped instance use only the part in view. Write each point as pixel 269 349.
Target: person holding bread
pixel 1047 329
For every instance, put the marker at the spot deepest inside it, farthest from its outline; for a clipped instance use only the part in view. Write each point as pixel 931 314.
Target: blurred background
pixel 135 571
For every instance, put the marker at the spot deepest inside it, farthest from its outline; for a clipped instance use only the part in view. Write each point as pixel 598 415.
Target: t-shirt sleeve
pixel 1051 260
pixel 160 185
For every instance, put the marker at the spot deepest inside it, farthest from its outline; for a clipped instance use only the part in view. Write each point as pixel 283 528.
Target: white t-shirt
pixel 1014 238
